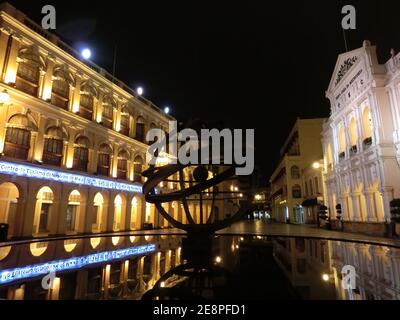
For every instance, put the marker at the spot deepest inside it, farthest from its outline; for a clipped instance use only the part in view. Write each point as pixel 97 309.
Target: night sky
pixel 250 64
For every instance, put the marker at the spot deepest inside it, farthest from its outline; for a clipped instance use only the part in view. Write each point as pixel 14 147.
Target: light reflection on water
pixel 248 267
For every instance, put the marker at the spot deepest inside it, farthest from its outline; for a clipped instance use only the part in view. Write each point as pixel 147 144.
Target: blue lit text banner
pixel 65 177
pixel 32 271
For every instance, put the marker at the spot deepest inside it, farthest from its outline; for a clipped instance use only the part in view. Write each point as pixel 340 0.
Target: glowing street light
pixel 139 91
pixel 86 53
pixel 316 165
pixel 166 110
pixel 4 97
pixel 325 277
pixel 218 259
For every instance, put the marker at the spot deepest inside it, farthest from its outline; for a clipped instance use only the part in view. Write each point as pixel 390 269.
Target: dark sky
pixel 251 64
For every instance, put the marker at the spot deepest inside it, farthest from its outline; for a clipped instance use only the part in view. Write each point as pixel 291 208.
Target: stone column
pixel 90 210
pixel 99 106
pixel 4 38
pixel 76 93
pixel 387 196
pixel 128 211
pixel 11 66
pixel 45 93
pixel 69 154
pixel 110 212
pixel 39 145
pixel 371 214
pixel 29 210
pixel 355 197
pixel 60 208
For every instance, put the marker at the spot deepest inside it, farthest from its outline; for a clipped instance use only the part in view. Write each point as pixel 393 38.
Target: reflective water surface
pixel 175 267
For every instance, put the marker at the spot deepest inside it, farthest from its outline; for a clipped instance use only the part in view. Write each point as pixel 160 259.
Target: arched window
pixel 81 153
pixel 53 146
pixel 367 127
pixel 18 136
pixel 60 88
pixel 30 63
pixel 122 164
pixel 43 207
pixel 138 167
pixel 296 191
pixel 9 195
pixel 88 93
pixel 119 212
pixel 295 172
pixel 104 160
pixel 109 105
pixel 342 143
pixel 353 132
pixel 140 129
pixel 98 204
pixel 72 219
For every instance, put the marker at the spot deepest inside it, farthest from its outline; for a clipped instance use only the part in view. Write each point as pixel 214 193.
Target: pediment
pixel 344 64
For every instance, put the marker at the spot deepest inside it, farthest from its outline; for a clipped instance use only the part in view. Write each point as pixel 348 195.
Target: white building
pixel 361 139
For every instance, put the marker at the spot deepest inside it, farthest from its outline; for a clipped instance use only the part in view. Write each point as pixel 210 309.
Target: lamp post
pixel 4 98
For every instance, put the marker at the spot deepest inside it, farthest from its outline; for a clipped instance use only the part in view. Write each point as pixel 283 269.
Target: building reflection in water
pixel 116 279
pixel 249 267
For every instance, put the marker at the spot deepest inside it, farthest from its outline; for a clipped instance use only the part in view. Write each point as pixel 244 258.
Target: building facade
pixel 361 139
pixel 72 139
pixel 301 149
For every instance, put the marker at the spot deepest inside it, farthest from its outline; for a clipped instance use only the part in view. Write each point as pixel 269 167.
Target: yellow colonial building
pixel 288 188
pixel 72 139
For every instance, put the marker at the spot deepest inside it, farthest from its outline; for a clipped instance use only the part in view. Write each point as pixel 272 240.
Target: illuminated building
pixel 301 149
pixel 361 139
pixel 72 139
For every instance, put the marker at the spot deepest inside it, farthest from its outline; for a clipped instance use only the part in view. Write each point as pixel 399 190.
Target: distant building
pixel 361 139
pixel 301 149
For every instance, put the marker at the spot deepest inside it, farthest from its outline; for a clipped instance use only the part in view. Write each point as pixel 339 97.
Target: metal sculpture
pixel 196 191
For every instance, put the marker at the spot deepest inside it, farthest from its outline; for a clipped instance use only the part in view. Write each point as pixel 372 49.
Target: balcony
pixel 353 151
pixel 103 170
pixel 367 143
pixel 52 159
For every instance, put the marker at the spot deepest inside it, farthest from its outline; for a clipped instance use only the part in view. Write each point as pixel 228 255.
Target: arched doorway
pixel 150 213
pixel 98 204
pixel 136 209
pixel 44 202
pixel 119 212
pixel 73 210
pixel 9 195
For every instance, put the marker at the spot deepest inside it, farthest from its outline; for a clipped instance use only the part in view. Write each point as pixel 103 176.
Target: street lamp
pixel 166 110
pixel 86 53
pixel 316 165
pixel 139 91
pixel 325 277
pixel 4 97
